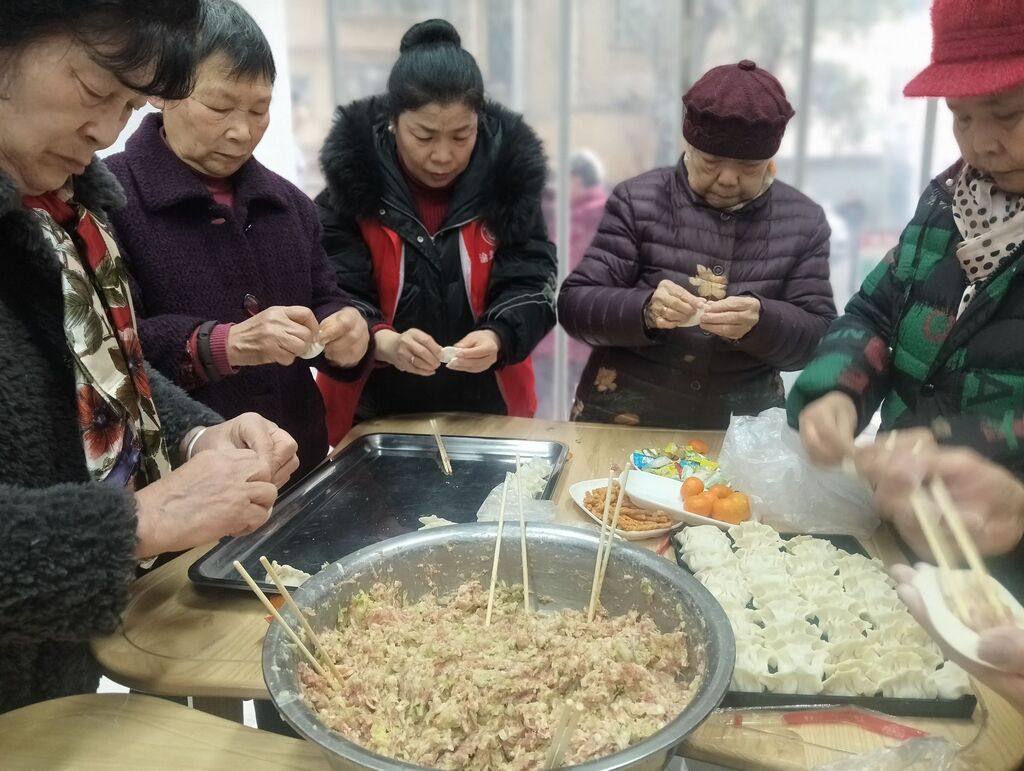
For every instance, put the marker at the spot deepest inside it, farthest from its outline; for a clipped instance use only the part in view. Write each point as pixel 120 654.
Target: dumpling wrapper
pixel 314 350
pixel 289 576
pixel 449 354
pixel 695 319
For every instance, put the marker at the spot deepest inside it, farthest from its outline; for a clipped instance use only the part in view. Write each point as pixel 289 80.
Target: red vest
pixel 476 251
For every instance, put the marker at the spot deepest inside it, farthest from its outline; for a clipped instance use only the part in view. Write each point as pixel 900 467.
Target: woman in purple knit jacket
pixel 706 279
pixel 231 285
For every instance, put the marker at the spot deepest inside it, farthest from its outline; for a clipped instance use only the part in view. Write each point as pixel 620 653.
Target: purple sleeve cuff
pixel 219 349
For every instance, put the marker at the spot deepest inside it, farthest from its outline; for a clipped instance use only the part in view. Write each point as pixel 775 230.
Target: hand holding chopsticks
pixel 925 510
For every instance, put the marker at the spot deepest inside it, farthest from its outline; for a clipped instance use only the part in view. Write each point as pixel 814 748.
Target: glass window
pixel 630 62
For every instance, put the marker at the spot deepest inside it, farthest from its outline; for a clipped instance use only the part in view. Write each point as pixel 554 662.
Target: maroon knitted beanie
pixel 736 111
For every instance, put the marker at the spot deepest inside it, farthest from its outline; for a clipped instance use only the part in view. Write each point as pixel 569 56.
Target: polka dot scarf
pixel 991 223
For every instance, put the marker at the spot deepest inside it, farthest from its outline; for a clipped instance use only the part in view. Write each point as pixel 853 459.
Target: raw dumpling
pixel 797 681
pixel 751 667
pixel 779 613
pixel 849 682
pixel 752 534
pixel 813 550
pixel 909 684
pixel 703 560
pixel 841 624
pixel 762 561
pixel 951 681
pixel 701 536
pixel 854 564
pixel 893 662
pixel 724 587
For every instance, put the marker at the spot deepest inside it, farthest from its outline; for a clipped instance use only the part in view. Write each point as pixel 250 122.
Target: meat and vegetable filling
pixel 426 682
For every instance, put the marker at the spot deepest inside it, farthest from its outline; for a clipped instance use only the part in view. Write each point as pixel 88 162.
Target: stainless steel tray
pixel 376 488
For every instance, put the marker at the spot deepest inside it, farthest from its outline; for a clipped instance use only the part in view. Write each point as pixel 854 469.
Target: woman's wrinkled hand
pixel 249 431
pixel 731 317
pixel 828 426
pixel 990 499
pixel 1002 647
pixel 217 493
pixel 671 306
pixel 345 336
pixel 478 351
pixel 412 351
pixel 277 335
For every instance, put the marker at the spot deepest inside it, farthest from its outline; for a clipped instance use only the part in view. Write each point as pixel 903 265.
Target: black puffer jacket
pixel 502 189
pixel 66 544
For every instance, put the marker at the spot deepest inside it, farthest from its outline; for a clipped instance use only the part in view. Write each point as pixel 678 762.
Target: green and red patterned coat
pixel 897 345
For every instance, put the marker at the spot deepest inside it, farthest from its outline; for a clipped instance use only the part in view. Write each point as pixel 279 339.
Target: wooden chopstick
pixel 924 512
pixel 497 552
pixel 966 544
pixel 522 538
pixel 310 634
pixel 446 462
pixel 565 727
pixel 277 617
pixel 611 536
pixel 600 542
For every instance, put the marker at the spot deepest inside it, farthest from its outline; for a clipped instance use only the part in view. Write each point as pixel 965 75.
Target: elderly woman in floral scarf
pixel 103 462
pixel 704 279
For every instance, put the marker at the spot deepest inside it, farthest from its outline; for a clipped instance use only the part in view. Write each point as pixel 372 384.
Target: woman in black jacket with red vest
pixel 432 221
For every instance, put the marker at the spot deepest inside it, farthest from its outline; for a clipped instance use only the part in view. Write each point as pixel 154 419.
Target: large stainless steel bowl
pixel 561 563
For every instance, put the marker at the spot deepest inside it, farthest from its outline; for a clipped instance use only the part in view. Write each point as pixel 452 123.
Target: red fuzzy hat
pixel 736 111
pixel 977 49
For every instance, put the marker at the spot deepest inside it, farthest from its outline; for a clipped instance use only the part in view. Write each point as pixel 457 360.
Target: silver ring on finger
pixel 412 359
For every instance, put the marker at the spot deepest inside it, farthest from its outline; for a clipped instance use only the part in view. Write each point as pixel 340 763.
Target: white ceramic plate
pixel 954 632
pixel 650 491
pixel 578 490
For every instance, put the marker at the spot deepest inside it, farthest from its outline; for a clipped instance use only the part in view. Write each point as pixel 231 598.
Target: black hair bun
pixel 430 32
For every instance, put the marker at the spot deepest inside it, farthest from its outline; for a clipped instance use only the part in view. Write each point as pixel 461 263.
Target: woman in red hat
pixel 705 279
pixel 935 336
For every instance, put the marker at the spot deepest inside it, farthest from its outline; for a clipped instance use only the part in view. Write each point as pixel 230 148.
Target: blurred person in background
pixel 103 461
pixel 231 285
pixel 588 195
pixel 432 221
pixel 705 279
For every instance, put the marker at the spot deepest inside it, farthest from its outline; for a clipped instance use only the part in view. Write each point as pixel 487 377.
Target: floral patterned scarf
pixel 991 224
pixel 116 415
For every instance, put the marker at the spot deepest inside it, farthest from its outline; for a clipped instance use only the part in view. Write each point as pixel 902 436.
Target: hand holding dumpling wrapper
pixel 761 453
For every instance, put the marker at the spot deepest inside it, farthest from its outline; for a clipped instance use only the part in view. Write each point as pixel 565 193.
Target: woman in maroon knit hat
pixel 706 279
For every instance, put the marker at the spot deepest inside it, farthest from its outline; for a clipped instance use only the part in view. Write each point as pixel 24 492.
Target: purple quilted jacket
pixel 655 227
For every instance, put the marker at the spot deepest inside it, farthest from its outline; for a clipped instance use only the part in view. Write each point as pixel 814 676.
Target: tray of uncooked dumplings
pixel 819 624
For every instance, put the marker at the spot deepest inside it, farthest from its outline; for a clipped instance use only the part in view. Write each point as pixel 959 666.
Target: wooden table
pixel 112 731
pixel 178 639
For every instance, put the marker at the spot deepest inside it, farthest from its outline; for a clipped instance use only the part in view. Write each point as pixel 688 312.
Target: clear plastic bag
pixel 762 456
pixel 932 753
pixel 534 475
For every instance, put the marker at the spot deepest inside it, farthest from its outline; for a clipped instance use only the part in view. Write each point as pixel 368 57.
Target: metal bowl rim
pixel 709 696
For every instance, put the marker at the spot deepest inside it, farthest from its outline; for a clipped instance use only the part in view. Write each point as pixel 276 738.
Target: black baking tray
pixel 960 709
pixel 376 488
